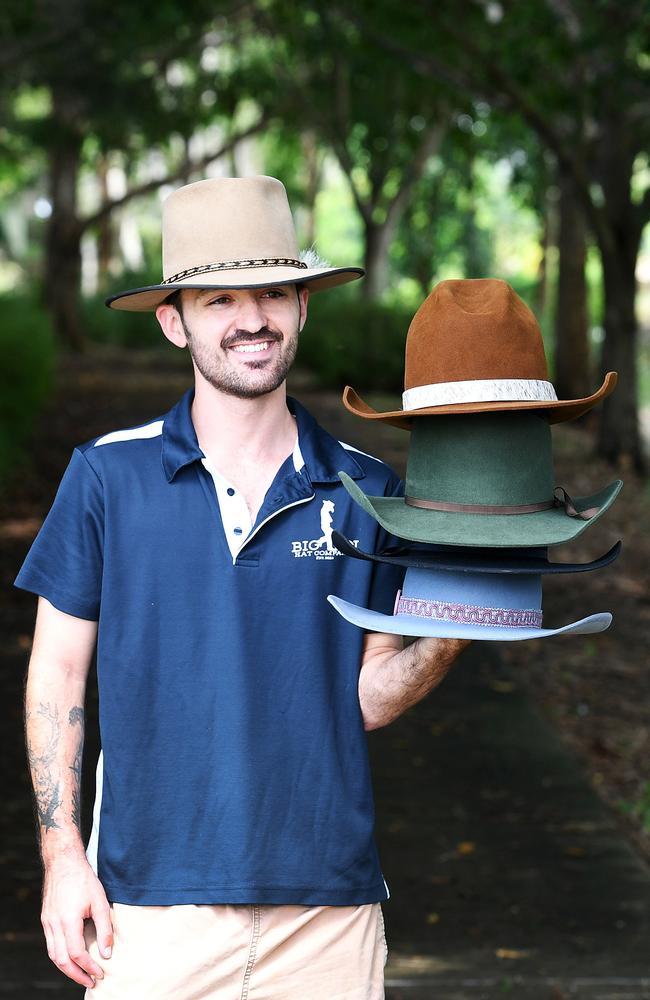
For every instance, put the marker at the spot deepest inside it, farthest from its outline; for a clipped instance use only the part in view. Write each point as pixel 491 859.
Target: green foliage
pixel 113 326
pixel 440 229
pixel 380 125
pixel 125 329
pixel 283 156
pixel 26 373
pixel 348 340
pixel 128 73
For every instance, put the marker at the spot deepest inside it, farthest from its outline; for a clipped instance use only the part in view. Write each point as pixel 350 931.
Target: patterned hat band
pixel 495 390
pixel 467 614
pixel 233 265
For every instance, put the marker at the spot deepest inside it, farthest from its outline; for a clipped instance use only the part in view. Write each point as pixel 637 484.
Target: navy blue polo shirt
pixel 235 765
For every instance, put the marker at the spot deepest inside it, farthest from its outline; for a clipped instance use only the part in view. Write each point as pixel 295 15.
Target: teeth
pixel 252 348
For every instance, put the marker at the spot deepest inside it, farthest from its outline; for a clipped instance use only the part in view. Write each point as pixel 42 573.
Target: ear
pixel 303 299
pixel 171 325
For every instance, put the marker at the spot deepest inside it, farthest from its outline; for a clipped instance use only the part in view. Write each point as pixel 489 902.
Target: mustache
pixel 245 336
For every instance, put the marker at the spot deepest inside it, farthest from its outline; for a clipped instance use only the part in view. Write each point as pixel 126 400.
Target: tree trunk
pixel 63 243
pixel 541 281
pixel 313 167
pixel 571 375
pixel 618 434
pixel 378 237
pixel 477 264
pixel 104 229
pixel 547 271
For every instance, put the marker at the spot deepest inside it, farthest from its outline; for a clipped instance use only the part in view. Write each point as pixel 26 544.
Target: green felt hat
pixel 483 479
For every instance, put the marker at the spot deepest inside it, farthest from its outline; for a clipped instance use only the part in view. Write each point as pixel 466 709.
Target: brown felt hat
pixel 231 232
pixel 475 346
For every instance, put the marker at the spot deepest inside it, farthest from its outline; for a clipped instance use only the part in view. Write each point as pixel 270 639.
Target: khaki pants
pixel 243 953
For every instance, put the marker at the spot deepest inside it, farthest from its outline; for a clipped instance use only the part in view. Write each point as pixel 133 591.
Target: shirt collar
pixel 323 455
pixel 179 442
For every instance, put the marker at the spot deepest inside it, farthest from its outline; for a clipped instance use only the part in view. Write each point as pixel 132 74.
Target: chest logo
pixel 320 548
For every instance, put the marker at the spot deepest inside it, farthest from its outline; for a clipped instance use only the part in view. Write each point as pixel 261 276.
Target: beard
pixel 258 378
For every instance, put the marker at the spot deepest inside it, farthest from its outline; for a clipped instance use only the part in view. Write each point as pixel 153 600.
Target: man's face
pixel 242 341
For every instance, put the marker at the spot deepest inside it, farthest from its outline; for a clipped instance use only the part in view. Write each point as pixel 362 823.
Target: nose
pixel 251 316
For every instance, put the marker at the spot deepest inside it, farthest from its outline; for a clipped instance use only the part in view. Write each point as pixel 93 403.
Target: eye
pixel 219 300
pixel 274 293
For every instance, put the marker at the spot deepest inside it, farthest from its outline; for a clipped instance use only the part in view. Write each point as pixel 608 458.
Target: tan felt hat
pixel 230 232
pixel 475 346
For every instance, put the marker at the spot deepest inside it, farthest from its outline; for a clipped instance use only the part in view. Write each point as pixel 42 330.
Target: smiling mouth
pixel 252 348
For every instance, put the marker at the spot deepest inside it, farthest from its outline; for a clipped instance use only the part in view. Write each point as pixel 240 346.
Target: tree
pixel 117 77
pixel 523 58
pixel 440 225
pixel 544 186
pixel 381 127
pixel 572 367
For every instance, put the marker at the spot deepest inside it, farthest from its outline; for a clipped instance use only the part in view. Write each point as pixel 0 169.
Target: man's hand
pixel 72 893
pixel 54 730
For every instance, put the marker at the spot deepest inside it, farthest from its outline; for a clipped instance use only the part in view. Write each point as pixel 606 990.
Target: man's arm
pixel 393 679
pixel 54 726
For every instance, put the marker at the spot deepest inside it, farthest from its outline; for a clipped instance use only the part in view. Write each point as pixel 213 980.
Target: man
pixel 232 853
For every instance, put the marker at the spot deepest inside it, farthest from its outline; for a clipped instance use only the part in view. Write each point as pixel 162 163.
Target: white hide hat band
pixel 478 391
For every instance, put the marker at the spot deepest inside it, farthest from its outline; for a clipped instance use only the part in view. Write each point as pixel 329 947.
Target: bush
pixel 347 340
pixel 113 326
pixel 26 373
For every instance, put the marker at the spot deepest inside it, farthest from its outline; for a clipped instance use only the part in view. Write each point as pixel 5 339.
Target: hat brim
pixel 556 410
pixel 316 279
pixel 542 528
pixel 474 560
pixel 374 621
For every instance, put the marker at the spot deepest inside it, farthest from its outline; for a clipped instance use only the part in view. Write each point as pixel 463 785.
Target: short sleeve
pixel 65 562
pixel 387 579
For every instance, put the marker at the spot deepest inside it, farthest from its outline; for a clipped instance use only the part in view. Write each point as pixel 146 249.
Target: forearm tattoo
pixel 42 764
pixel 76 717
pixel 43 751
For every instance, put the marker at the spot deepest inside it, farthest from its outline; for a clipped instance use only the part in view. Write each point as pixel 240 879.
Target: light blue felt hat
pixel 465 605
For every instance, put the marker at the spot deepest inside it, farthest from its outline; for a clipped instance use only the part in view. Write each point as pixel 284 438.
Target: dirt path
pixel 508 875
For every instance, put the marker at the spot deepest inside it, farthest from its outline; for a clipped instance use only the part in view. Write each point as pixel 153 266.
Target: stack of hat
pixel 481 504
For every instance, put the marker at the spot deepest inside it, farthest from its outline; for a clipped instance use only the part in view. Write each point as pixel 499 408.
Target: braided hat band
pixel 231 265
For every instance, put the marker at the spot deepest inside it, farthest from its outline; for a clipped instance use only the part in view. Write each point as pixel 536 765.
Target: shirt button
pixel 230 491
pixel 238 531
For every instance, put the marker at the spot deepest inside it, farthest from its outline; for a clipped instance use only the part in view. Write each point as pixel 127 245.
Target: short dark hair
pixel 176 300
